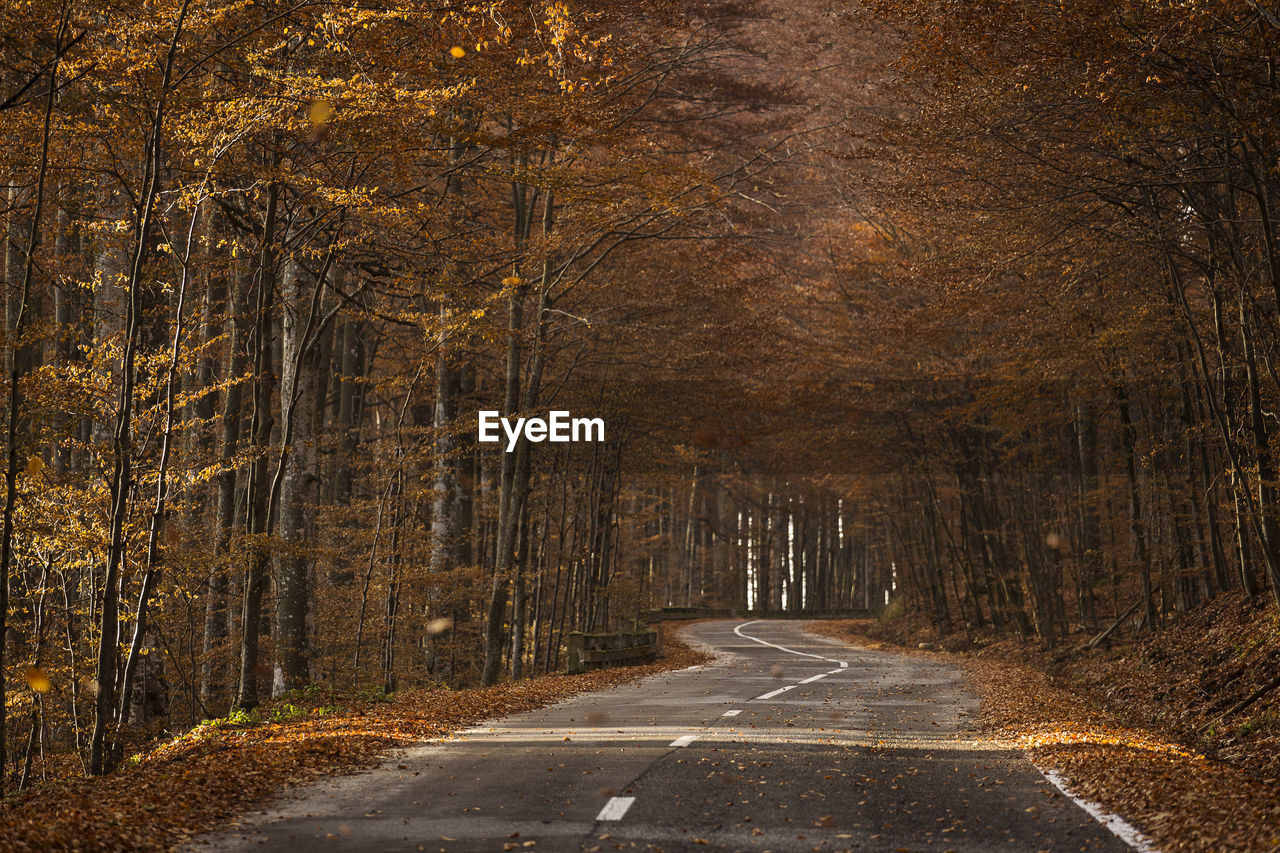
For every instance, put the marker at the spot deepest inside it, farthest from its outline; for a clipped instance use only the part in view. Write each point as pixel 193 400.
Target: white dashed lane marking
pixel 615 808
pixel 773 693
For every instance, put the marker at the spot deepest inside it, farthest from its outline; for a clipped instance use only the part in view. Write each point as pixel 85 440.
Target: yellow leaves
pixel 34 466
pixel 37 680
pixel 457 52
pixel 1098 735
pixel 512 281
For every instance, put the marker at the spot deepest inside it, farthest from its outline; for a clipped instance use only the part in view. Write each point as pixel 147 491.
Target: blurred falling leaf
pixel 457 52
pixel 318 114
pixel 439 626
pixel 37 680
pixel 34 466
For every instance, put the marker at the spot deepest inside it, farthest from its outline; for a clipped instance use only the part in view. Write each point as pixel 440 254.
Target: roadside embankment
pixel 1177 732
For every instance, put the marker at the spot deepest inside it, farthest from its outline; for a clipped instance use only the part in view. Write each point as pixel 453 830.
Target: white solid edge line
pixel 835 671
pixel 615 808
pixel 738 631
pixel 814 678
pixel 684 740
pixel 735 712
pixel 1120 828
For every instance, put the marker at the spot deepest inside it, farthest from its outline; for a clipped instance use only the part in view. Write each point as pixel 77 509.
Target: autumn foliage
pixel 967 308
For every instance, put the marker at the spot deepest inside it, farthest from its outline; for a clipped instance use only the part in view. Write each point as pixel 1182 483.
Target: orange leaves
pixel 1070 734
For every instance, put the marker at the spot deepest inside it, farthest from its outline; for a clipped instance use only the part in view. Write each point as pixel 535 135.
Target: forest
pixel 975 316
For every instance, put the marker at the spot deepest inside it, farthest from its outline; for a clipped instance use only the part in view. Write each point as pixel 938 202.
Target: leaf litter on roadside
pixel 200 779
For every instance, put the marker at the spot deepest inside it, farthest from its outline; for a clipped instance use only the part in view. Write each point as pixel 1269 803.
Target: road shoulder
pixel 1178 798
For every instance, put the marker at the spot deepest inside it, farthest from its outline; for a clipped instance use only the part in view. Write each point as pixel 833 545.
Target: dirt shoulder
pixel 214 772
pixel 1137 727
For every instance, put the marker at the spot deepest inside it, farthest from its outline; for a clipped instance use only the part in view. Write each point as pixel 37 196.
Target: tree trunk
pixel 214 668
pixel 297 404
pixel 1266 494
pixel 515 465
pixel 122 472
pixel 258 554
pixel 1136 527
pixel 17 364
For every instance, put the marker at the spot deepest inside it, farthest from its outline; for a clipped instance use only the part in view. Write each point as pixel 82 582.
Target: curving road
pixel 788 741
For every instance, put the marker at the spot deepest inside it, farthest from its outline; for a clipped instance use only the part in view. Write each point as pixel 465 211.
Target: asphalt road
pixel 788 741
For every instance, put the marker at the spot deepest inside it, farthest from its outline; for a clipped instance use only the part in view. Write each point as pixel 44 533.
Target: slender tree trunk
pixel 498 593
pixel 515 468
pixel 1136 526
pixel 122 473
pixel 258 555
pixel 1267 489
pixel 391 611
pixel 1090 538
pixel 160 504
pixel 446 505
pixel 214 666
pixel 17 364
pixel 519 602
pixel 349 373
